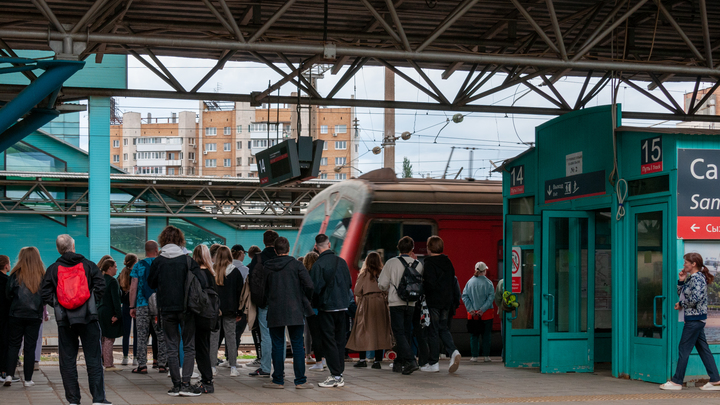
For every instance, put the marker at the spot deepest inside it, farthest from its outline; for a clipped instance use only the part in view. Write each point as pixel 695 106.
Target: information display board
pixel 572 187
pixel 278 164
pixel 698 194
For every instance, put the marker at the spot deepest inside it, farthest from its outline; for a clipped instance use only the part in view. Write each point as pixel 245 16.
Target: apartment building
pixel 709 107
pixel 221 140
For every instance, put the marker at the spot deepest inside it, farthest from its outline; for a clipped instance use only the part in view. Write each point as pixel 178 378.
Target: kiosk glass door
pixel 649 340
pixel 568 285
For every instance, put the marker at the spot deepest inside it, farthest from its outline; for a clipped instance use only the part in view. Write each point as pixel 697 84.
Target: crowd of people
pixel 189 302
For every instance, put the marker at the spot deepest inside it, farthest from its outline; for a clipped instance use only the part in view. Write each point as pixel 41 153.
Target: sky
pixel 495 137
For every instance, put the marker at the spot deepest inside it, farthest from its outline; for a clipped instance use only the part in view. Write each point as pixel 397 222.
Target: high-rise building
pixel 709 107
pixel 223 138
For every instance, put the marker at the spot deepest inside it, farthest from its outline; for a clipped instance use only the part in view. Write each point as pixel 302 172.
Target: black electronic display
pixel 278 164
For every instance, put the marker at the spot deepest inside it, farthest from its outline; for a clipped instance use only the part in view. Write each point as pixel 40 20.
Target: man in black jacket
pixel 257 277
pixel 439 285
pixel 79 323
pixel 288 291
pixel 333 290
pixel 167 276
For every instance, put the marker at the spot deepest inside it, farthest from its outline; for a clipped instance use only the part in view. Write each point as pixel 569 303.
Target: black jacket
pixel 167 276
pixel 333 294
pixel 96 284
pixel 288 291
pixel 230 292
pixel 206 280
pixel 110 306
pixel 23 303
pixel 4 302
pixel 439 282
pixel 267 254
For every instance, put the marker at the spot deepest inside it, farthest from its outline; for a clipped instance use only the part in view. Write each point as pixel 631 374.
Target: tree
pixel 407 168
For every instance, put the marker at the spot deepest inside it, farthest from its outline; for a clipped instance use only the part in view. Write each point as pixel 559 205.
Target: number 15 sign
pixel 651 158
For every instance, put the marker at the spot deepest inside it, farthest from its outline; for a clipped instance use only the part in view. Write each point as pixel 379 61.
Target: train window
pixel 339 222
pixel 383 236
pixel 310 229
pixel 521 206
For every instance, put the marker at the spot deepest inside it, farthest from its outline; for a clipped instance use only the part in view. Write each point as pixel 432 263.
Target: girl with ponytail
pixel 692 289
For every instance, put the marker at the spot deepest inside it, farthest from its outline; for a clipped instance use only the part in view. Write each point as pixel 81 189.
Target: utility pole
pixel 389 134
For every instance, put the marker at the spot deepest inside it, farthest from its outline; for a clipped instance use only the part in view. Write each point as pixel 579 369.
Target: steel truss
pixel 237 203
pixel 534 43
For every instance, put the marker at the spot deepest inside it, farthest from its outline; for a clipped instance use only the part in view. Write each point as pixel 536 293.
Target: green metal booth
pixel 596 225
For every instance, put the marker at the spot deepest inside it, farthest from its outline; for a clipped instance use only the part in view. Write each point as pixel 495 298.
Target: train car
pixel 372 212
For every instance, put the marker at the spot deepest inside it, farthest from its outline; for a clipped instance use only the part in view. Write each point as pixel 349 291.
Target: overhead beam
pixel 450 19
pixel 535 26
pixel 398 24
pixel 556 28
pixel 272 20
pixel 679 30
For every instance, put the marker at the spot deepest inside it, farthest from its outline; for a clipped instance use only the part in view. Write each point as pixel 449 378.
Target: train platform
pixel 474 383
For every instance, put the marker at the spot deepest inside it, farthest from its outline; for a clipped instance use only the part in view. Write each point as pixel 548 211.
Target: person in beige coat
pixel 372 330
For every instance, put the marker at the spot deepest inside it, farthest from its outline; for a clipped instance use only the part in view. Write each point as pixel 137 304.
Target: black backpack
pixel 203 302
pixel 258 281
pixel 410 288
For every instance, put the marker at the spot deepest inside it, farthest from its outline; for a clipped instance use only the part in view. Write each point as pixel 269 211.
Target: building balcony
pixel 158 162
pixel 159 147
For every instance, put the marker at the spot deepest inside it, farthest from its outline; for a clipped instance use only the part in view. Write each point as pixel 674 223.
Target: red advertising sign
pixel 516 270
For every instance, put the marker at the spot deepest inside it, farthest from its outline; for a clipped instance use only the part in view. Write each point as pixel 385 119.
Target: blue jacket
pixel 478 294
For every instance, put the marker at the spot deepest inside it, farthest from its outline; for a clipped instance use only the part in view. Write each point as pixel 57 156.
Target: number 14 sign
pixel 517 180
pixel 651 158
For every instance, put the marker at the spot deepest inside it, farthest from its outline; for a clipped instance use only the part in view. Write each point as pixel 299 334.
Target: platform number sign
pixel 651 157
pixel 516 269
pixel 517 180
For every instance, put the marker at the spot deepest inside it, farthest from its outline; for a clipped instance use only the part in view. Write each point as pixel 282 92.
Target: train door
pixel 521 329
pixel 649 335
pixel 568 285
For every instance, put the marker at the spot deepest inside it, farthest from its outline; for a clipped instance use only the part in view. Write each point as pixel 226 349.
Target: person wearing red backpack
pixel 73 286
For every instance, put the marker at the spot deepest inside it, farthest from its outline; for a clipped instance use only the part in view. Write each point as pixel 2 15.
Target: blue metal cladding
pixel 99 179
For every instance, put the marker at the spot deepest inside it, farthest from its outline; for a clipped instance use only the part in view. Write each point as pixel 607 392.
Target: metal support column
pixel 99 179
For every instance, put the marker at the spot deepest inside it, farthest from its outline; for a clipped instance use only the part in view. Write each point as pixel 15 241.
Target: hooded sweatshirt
pixel 230 291
pixel 87 312
pixel 288 291
pixel 439 282
pixel 167 276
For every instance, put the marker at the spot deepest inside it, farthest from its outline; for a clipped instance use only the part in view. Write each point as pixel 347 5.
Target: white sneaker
pixel 710 387
pixel 28 383
pixel 332 382
pixel 454 361
pixel 8 381
pixel 487 359
pixel 125 361
pixel 431 368
pixel 253 364
pixel 224 363
pixel 671 386
pixel 134 363
pixel 234 372
pixel 317 367
pixel 214 371
pixel 473 359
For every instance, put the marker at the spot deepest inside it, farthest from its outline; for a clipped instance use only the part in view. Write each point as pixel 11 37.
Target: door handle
pixel 512 318
pixel 655 311
pixel 551 308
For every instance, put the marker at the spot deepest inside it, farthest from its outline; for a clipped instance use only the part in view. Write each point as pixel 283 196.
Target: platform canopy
pixel 533 43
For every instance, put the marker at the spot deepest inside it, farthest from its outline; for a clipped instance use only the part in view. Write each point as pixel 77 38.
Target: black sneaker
pixel 188 390
pixel 207 388
pixel 410 368
pixel 259 373
pixel 361 363
pixel 174 391
pixel 376 365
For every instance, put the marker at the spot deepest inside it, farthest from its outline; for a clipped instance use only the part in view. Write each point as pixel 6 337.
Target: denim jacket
pixel 695 303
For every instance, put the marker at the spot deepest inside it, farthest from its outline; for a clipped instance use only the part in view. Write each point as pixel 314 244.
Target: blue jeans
pixel 278 353
pixel 265 341
pixel 693 335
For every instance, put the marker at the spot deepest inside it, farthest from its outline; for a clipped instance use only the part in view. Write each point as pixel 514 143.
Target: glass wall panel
pixel 22 157
pixel 195 235
pixel 559 285
pixel 128 235
pixel 603 272
pixel 526 299
pixel 649 274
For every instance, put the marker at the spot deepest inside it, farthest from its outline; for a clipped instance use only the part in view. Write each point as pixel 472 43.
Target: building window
pixel 323 129
pixel 227 131
pixel 239 175
pixel 116 144
pixel 171 171
pixel 125 157
pixel 340 161
pixel 227 162
pixel 239 129
pixel 210 162
pixel 340 129
pixel 239 145
pixel 191 170
pixel 340 176
pixel 323 176
pixel 227 147
pixel 340 145
pixel 251 174
pixel 116 158
pixel 238 161
pixel 191 155
pixel 151 155
pixel 134 156
pixel 251 160
pixel 134 141
pixel 211 147
pixel 210 131
pixel 125 143
pixel 249 144
pixel 260 143
pixel 325 145
pixel 323 161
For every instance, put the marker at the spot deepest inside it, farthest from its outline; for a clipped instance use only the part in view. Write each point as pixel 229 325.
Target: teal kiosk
pixel 598 217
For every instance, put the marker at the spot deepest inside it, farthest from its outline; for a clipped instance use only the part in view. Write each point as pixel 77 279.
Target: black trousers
pixel 333 327
pixel 68 341
pixel 202 354
pixel 401 324
pixel 172 323
pixel 19 328
pixel 316 334
pixel 3 343
pixel 239 330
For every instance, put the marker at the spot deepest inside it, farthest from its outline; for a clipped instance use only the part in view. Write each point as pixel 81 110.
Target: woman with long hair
pixel 110 314
pixel 203 329
pixel 229 284
pixel 692 289
pixel 371 330
pixel 26 312
pixel 124 280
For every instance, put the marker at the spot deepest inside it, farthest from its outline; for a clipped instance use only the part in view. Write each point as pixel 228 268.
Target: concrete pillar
pixel 389 138
pixel 99 181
